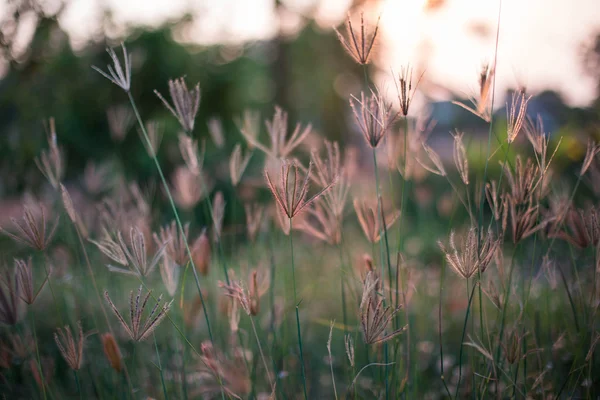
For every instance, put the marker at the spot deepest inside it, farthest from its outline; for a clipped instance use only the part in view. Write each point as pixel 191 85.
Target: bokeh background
pixel 260 53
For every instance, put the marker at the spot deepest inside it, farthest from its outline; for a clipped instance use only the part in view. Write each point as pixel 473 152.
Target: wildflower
pixel 33 231
pixel 138 331
pixel 119 120
pixel 405 89
pixel 370 222
pixel 120 75
pixel 281 146
pixel 111 351
pixel 292 190
pixel 50 162
pixel 238 164
pixel 10 294
pixel 460 157
pixel 482 107
pixel 201 253
pixel 475 254
pixel 373 115
pixel 24 279
pixel 592 149
pixel 358 44
pixel 70 349
pixel 375 317
pixel 185 103
pixel 215 130
pixel 254 219
pixel 516 115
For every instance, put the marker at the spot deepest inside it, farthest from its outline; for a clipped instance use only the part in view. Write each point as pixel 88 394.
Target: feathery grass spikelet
pixel 120 119
pixel 70 348
pixel 24 279
pixel 516 115
pixel 51 162
pixel 215 130
pixel 592 149
pixel 373 115
pixel 375 317
pixel 33 231
pixel 460 157
pixel 120 75
pixel 280 146
pixel 138 331
pixel 474 254
pixel 238 164
pixel 370 222
pixel 404 87
pixel 292 190
pixel 10 298
pixel 254 219
pixel 359 44
pixel 185 103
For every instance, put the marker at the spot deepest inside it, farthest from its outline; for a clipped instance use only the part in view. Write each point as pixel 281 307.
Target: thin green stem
pixel 262 355
pixel 78 384
pixel 162 378
pixel 462 339
pixel 382 258
pixel 37 355
pixel 343 290
pixel 297 312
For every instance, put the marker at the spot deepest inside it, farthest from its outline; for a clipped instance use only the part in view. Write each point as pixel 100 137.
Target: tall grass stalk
pixel 174 209
pixel 297 305
pixel 382 259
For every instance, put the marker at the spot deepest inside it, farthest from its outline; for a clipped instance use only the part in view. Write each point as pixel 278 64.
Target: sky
pixel 540 41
